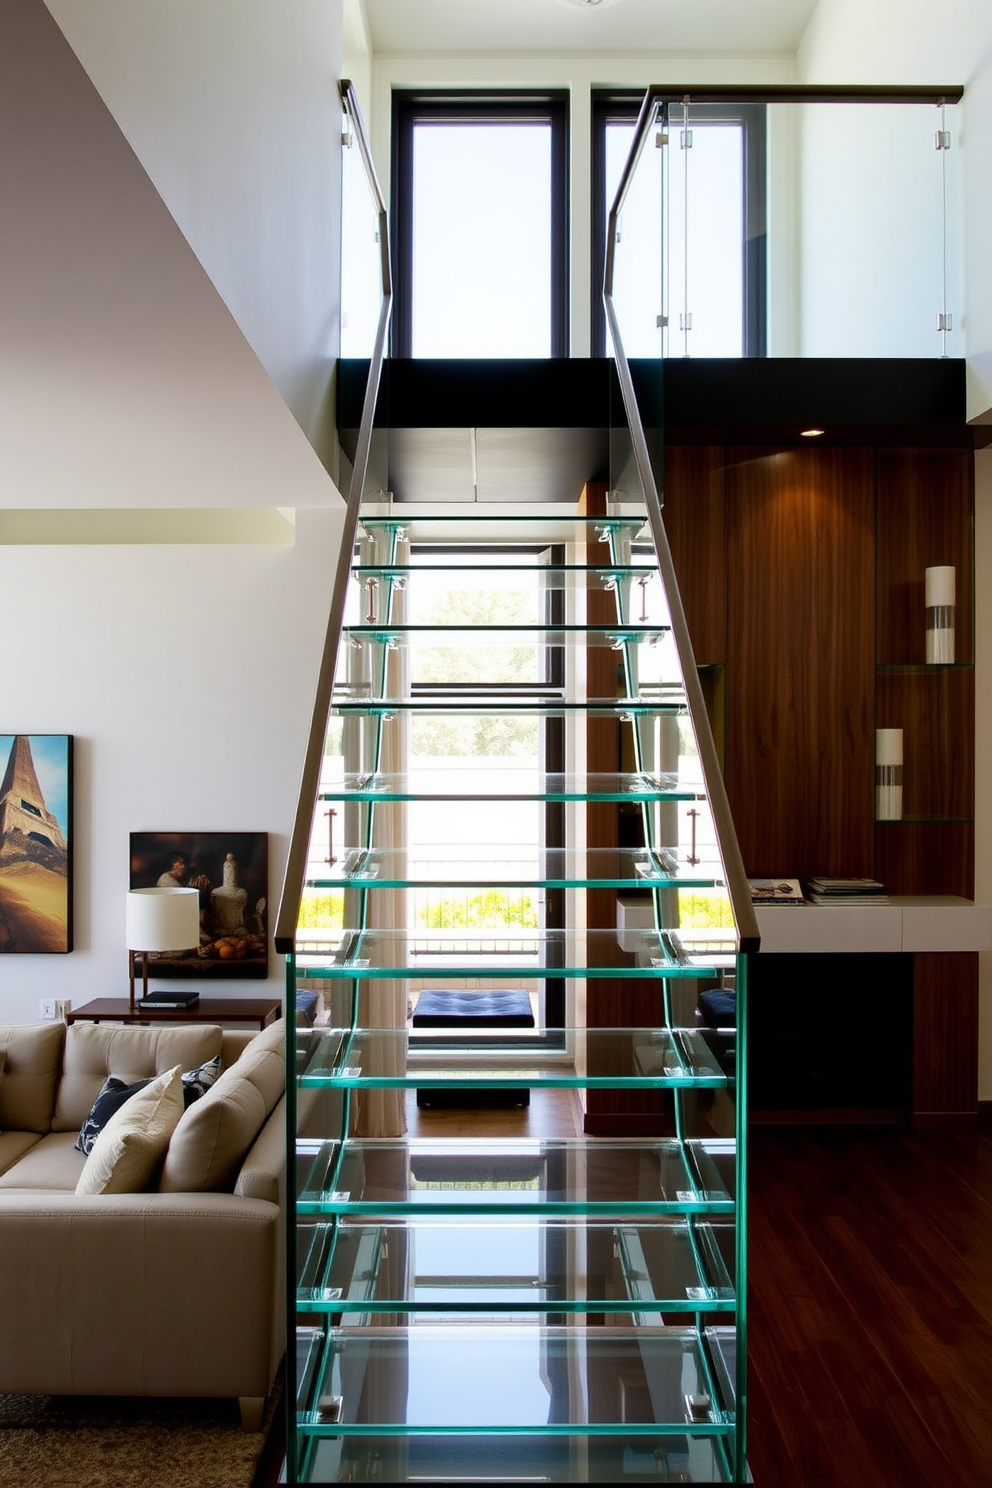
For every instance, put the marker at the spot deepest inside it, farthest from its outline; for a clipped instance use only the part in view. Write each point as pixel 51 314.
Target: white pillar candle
pixel 940 602
pixel 888 774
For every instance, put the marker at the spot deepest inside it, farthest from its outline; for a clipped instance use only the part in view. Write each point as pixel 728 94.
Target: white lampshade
pixel 163 919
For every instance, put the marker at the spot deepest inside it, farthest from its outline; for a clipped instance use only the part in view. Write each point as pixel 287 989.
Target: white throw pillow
pixel 134 1140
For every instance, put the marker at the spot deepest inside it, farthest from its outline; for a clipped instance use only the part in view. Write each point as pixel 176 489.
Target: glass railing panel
pixel 438 1267
pixel 791 222
pixel 404 1177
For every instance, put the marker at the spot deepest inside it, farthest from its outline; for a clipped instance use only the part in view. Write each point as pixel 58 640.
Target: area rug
pixel 49 1441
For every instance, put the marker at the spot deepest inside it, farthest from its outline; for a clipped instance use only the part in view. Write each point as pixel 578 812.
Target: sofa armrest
pixel 263 1172
pixel 139 1294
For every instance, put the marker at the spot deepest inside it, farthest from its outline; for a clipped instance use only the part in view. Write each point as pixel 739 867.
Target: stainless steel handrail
pixel 295 874
pixel 727 844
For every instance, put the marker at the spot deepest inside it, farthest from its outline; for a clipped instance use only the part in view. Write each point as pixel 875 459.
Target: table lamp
pixel 160 920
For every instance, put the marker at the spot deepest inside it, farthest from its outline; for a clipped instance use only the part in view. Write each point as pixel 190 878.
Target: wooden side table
pixel 258 1010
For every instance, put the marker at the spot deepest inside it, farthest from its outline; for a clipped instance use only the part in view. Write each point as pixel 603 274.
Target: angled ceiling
pixel 629 26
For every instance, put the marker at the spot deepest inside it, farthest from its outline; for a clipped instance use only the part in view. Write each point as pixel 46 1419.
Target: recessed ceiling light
pixel 587 4
pixel 811 433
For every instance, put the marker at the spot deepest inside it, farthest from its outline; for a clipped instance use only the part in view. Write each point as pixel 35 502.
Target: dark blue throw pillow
pixel 113 1094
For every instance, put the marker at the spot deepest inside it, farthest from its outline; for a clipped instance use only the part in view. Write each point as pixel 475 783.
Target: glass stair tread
pixel 537 632
pixel 621 868
pixel 479 782
pixel 512 1266
pixel 547 1379
pixel 613 1059
pixel 508 954
pixel 605 571
pixel 670 699
pixel 424 524
pixel 616 1178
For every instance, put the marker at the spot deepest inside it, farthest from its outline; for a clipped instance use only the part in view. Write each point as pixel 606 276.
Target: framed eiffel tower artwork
pixel 35 844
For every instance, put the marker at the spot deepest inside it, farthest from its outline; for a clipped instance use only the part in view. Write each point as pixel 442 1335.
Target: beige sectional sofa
pixel 174 1289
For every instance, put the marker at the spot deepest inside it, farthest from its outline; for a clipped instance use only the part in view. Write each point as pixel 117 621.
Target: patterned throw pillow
pixel 197 1082
pixel 114 1093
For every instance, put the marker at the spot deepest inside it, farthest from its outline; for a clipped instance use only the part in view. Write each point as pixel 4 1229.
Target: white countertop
pixel 940 922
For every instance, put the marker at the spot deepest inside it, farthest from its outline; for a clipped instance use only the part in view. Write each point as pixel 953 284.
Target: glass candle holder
pixel 888 774
pixel 940 605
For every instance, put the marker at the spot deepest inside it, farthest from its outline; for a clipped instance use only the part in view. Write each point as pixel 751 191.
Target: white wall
pixel 185 670
pixel 232 108
pixel 914 41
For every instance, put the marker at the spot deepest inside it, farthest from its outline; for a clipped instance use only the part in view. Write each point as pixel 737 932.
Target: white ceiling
pixel 432 27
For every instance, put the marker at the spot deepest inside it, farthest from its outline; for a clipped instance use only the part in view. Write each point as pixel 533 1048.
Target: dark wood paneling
pixel 935 708
pixel 695 522
pixel 800 658
pixel 926 857
pixel 923 517
pixel 945 1033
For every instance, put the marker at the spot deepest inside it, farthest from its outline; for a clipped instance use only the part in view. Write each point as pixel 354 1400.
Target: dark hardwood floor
pixel 870 1308
pixel 869 1298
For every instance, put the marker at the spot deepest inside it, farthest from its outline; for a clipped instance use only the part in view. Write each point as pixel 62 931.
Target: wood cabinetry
pixel 820 554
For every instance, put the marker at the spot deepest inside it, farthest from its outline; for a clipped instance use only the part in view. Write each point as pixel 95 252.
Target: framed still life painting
pixel 230 871
pixel 35 843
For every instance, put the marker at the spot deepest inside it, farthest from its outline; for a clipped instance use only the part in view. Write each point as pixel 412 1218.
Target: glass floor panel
pixel 518 1378
pixel 397 1176
pixel 612 1058
pixel 507 1266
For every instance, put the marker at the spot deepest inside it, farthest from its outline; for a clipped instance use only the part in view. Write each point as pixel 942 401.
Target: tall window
pixel 480 225
pixel 691 261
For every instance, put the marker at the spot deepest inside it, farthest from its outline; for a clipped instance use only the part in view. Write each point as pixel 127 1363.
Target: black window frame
pixel 609 107
pixel 413 106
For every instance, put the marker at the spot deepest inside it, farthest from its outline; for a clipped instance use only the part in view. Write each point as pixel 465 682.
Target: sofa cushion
pixel 130 1147
pixel 50 1163
pixel 32 1060
pixel 216 1132
pixel 13 1146
pixel 95 1050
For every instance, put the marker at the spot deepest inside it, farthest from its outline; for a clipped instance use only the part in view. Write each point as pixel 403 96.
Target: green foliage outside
pixel 322 911
pixel 489 910
pixel 703 911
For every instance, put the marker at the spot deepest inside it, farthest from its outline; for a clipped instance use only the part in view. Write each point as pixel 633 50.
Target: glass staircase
pixel 516 1227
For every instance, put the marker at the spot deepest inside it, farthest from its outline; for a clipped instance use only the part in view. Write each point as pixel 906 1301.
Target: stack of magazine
pixel 846 891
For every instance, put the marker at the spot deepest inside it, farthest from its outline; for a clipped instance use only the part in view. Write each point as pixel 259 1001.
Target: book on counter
pixel 164 1001
pixel 847 891
pixel 775 891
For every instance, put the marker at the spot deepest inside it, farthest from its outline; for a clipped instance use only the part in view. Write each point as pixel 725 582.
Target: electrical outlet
pixel 48 1006
pixel 63 1006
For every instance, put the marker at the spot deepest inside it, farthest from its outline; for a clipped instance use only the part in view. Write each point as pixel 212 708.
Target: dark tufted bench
pixel 472 1012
